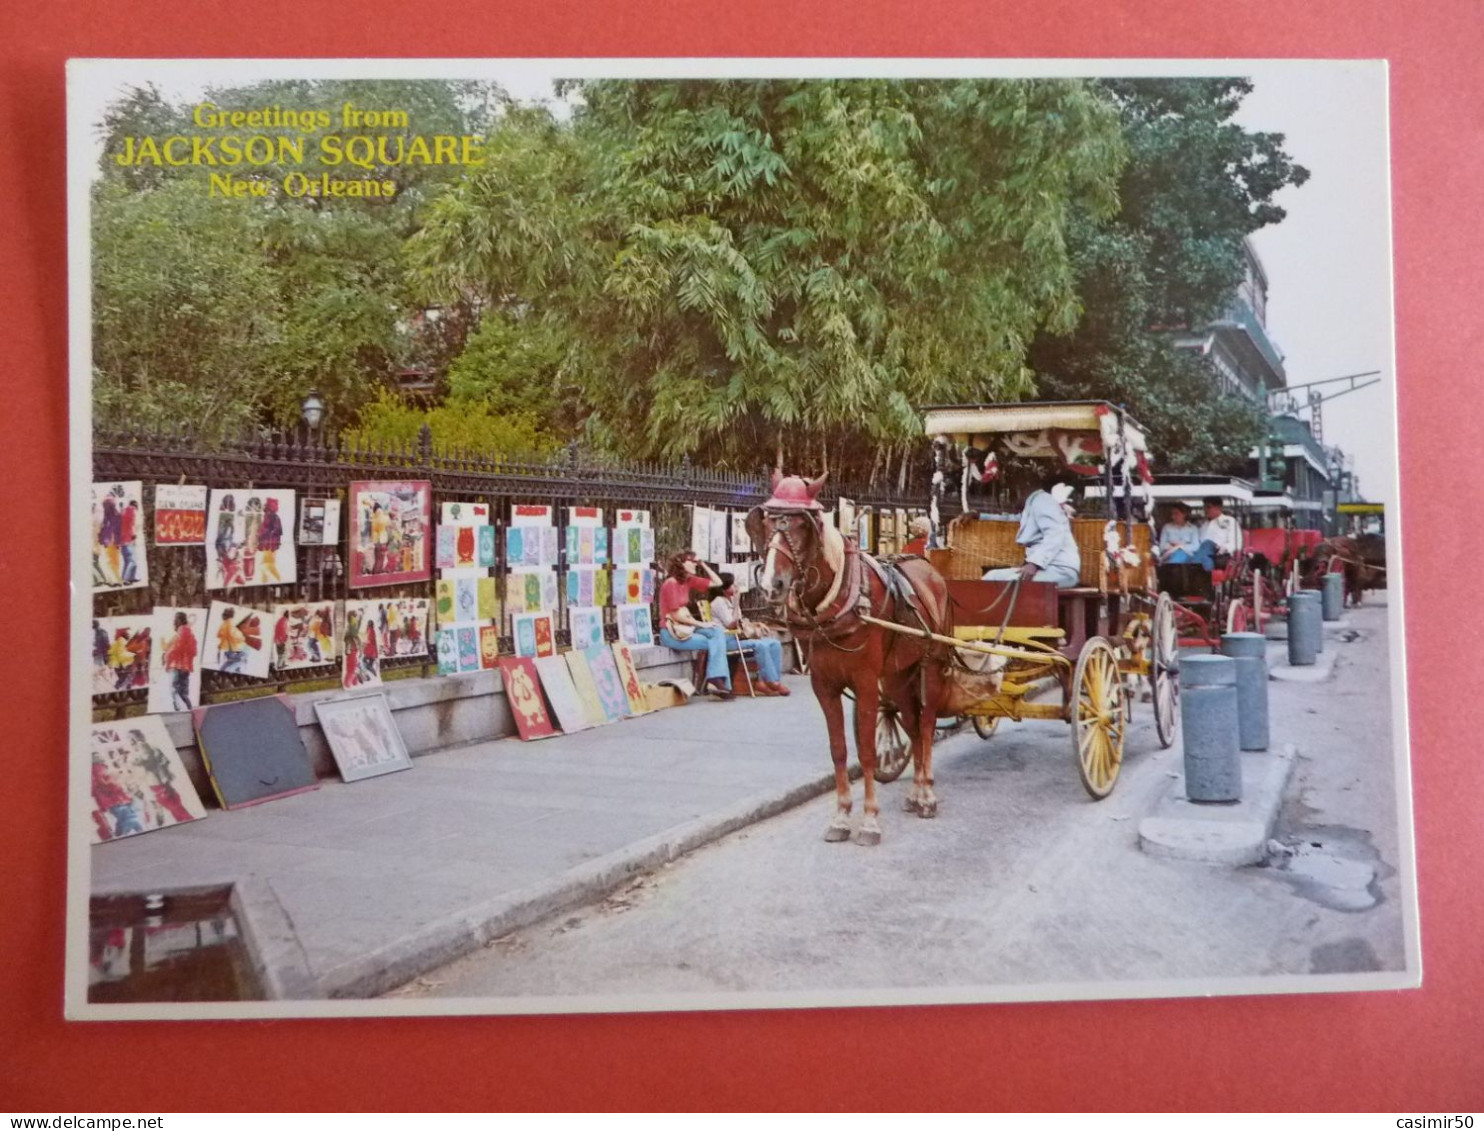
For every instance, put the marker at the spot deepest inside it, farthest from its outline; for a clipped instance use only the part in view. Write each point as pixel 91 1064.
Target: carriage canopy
pixel 1083 435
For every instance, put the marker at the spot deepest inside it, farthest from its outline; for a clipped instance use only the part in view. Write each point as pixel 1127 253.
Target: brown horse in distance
pixel 1362 559
pixel 820 584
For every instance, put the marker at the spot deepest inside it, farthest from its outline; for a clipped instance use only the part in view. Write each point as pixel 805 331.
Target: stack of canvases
pixel 246 537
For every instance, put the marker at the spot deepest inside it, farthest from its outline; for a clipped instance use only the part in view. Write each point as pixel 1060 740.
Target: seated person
pixel 683 630
pixel 1046 533
pixel 1180 540
pixel 922 529
pixel 750 638
pixel 1221 532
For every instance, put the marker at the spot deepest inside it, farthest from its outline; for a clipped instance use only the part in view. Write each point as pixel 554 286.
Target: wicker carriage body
pixel 977 544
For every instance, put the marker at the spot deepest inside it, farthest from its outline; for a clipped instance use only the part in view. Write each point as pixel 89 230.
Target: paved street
pixel 1022 881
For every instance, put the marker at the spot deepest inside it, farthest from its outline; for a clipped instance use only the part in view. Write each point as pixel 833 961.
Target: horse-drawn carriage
pixel 914 640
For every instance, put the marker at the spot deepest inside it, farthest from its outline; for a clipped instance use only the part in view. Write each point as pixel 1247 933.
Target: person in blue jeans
pixel 683 630
pixel 741 634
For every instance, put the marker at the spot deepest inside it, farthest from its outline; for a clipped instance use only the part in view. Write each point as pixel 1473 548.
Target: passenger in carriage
pixel 1046 533
pixel 1221 532
pixel 1180 540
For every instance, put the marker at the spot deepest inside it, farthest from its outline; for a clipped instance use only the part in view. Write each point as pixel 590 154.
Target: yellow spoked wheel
pixel 1098 719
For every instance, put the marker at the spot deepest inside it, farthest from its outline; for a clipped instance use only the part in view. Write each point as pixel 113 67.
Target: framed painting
pixel 391 524
pixel 362 736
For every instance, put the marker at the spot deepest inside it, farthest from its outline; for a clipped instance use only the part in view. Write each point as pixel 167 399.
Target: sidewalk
pixel 377 881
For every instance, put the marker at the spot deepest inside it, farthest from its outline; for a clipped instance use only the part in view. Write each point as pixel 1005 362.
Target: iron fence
pixel 318 468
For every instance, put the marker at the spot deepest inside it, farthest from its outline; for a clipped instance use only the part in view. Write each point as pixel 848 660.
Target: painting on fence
pixel 635 626
pixel 401 624
pixel 250 538
pixel 391 527
pixel 238 640
pixel 119 558
pixel 489 646
pixel 175 659
pixel 585 626
pixel 319 522
pixel 303 635
pixel 180 514
pixel 364 629
pixel 121 647
pixel 138 781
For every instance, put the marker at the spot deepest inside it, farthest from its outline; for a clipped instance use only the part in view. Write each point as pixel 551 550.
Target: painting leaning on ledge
pixel 855 488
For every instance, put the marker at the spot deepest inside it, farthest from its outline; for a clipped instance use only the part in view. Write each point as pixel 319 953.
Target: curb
pixel 1231 835
pixel 1320 670
pixel 439 942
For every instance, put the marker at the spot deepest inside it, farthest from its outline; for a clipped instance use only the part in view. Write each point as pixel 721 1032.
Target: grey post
pixel 1305 628
pixel 1332 600
pixel 1250 652
pixel 1208 720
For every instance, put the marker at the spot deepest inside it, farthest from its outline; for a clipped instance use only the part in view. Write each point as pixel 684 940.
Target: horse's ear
pixel 755 530
pixel 815 484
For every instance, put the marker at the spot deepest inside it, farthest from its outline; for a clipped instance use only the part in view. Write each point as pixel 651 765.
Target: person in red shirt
pixel 682 630
pixel 921 529
pixel 180 661
pixel 128 530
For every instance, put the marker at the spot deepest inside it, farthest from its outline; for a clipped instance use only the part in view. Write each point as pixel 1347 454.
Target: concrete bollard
pixel 1250 652
pixel 1332 596
pixel 1305 628
pixel 1208 720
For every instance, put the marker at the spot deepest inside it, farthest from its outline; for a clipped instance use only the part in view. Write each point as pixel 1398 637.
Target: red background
pixel 1388 1051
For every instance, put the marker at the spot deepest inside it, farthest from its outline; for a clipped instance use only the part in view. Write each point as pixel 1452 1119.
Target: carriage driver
pixel 1046 533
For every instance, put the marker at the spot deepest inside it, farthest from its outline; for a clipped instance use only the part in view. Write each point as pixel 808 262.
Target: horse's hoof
pixel 910 805
pixel 836 833
pixel 870 838
pixel 927 809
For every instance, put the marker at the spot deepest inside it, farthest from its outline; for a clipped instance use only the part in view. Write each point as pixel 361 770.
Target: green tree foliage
pixel 736 269
pixel 225 312
pixel 457 425
pixel 1195 185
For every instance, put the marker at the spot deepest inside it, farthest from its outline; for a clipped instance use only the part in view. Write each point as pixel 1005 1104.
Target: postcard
pixel 1023 433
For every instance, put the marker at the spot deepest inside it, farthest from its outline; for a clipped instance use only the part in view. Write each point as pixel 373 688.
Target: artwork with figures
pixel 121 648
pixel 468 645
pixel 303 635
pixel 180 514
pixel 401 624
pixel 138 781
pixel 585 626
pixel 362 736
pixel 608 683
pixel 523 693
pixel 489 646
pixel 448 651
pixel 175 659
pixel 361 655
pixel 533 634
pixel 391 524
pixel 237 641
pixel 464 514
pixel 250 538
pixel 117 522
pixel 628 675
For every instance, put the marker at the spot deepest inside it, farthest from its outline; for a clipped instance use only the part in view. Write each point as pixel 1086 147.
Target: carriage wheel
pixel 1236 617
pixel 1098 720
pixel 984 726
pixel 1166 670
pixel 893 747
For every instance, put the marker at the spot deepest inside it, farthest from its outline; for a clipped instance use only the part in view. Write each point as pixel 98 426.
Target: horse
pixel 1362 559
pixel 821 585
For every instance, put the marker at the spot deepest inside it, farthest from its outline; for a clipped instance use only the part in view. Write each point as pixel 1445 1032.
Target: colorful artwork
pixel 488 596
pixel 581 585
pixel 468 644
pixel 634 626
pixel 400 623
pixel 582 544
pixel 646 586
pixel 631 586
pixel 646 545
pixel 486 552
pixel 628 676
pixel 700 531
pixel 303 635
pixel 364 630
pixel 561 693
pixel 180 515
pixel 448 652
pixel 534 635
pixel 391 527
pixel 489 646
pixel 602 587
pixel 631 518
pixel 585 626
pixel 237 641
pixel 522 546
pixel 250 539
pixel 549 545
pixel 587 690
pixel 584 516
pixel 139 783
pixel 610 686
pixel 119 558
pixel 445 556
pixel 461 588
pixel 523 693
pixel 319 522
pixel 175 659
pixel 530 514
pixel 600 545
pixel 121 648
pixel 445 593
pixel 362 737
pixel 465 514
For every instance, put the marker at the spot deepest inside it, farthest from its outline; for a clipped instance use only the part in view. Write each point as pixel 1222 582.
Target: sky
pixel 1328 263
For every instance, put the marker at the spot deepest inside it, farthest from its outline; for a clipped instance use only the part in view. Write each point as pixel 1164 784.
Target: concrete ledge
pixel 1233 835
pixel 433 944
